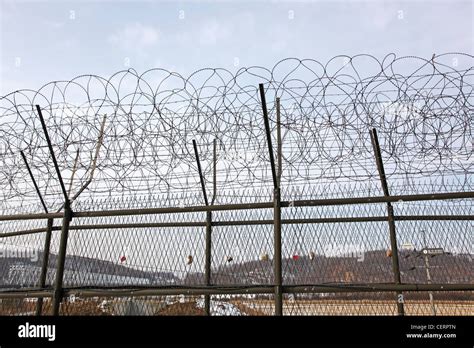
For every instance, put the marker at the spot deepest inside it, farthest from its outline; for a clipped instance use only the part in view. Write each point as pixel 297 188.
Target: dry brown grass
pixel 364 307
pixel 16 306
pixel 245 309
pixel 82 308
pixel 186 308
pixel 260 307
pixel 21 307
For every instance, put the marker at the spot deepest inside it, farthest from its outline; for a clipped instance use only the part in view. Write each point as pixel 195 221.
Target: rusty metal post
pixel 68 214
pixel 208 259
pixel 391 219
pixel 74 168
pixel 214 174
pixel 93 164
pixel 277 263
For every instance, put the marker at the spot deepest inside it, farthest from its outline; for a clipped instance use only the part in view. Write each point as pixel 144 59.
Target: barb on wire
pixel 421 107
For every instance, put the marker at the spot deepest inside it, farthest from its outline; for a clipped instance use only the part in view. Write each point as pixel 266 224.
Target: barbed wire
pixel 422 110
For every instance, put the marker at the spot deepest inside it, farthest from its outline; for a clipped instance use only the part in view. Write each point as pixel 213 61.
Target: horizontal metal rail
pixel 288 289
pixel 235 289
pixel 247 222
pixel 380 199
pixel 39 216
pixel 244 206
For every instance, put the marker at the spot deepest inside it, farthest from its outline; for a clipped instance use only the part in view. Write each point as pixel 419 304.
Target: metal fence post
pixel 391 219
pixel 68 214
pixel 277 249
pixel 58 286
pixel 207 262
pixel 279 142
pixel 277 263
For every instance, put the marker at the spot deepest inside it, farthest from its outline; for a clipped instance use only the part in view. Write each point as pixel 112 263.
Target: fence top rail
pixel 262 205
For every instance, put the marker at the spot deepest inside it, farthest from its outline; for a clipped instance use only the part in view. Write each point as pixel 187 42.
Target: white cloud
pixel 382 14
pixel 211 32
pixel 54 24
pixel 135 36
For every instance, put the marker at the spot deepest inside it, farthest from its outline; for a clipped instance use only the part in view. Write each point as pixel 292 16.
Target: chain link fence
pixel 348 193
pixel 336 260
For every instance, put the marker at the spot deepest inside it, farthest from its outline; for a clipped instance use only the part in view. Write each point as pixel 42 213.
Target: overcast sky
pixel 43 41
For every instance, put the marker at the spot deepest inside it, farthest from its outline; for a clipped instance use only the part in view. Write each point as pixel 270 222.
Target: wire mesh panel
pixel 341 304
pixel 439 303
pixel 140 256
pixel 170 305
pixel 335 251
pixel 378 303
pixel 241 255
